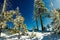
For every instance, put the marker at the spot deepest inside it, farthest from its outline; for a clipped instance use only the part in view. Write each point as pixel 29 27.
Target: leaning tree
pixel 5 16
pixel 56 19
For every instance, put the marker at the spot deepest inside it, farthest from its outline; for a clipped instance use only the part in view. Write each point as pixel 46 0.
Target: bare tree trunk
pixel 41 22
pixel 37 23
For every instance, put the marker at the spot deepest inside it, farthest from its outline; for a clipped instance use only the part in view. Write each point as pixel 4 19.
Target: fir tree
pixel 40 10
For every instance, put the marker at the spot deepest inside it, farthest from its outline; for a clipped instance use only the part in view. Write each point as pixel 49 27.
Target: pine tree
pixel 40 9
pixel 56 19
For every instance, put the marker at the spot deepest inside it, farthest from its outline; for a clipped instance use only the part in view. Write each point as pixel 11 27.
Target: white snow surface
pixel 39 36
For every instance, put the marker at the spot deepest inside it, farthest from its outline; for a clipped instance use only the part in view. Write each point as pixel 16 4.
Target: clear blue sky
pixel 26 9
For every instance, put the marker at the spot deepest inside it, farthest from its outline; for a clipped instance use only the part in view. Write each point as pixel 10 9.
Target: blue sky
pixel 26 8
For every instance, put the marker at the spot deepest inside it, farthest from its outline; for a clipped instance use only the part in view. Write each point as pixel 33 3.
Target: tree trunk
pixel 37 23
pixel 19 33
pixel 0 30
pixel 41 22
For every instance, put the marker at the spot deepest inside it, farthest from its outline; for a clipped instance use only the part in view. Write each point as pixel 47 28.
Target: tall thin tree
pixel 41 9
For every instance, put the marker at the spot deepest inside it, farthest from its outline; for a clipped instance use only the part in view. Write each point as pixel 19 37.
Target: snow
pixel 3 35
pixel 39 36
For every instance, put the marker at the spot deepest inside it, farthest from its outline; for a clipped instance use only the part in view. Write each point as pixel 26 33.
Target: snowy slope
pixel 39 36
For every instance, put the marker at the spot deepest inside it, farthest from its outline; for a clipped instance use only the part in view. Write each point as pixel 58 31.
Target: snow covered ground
pixel 39 36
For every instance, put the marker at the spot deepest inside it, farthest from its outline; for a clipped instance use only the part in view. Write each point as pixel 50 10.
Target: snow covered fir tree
pixel 8 16
pixel 39 11
pixel 29 20
pixel 56 19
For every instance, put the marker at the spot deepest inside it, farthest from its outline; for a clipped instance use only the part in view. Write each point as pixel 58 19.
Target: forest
pixel 17 28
